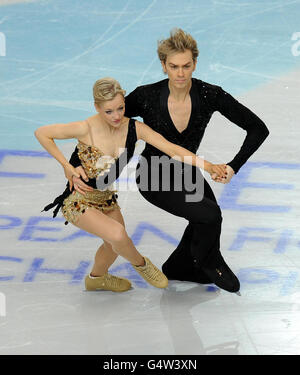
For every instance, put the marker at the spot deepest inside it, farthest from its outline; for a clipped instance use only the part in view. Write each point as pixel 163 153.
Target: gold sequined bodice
pixel 93 160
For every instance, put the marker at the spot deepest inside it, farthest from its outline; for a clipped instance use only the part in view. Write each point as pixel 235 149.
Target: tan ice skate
pixel 107 282
pixel 152 274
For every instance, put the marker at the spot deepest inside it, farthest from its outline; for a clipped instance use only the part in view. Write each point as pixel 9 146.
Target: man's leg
pixel 201 236
pixel 198 253
pixel 180 264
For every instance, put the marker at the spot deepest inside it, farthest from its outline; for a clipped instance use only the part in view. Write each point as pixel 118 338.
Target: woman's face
pixel 112 111
pixel 179 67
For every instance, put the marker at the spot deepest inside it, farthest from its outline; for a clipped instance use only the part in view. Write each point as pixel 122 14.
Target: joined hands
pixel 221 173
pixel 229 173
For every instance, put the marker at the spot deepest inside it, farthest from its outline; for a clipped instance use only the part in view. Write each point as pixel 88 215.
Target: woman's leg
pixel 105 256
pixel 111 229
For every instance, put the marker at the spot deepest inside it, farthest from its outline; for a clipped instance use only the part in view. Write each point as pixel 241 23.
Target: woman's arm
pixel 46 135
pixel 155 139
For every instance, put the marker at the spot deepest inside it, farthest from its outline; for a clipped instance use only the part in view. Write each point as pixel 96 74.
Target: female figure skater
pixel 180 107
pixel 100 137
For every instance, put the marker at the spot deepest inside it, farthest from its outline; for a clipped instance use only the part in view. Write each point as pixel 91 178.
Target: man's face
pixel 179 67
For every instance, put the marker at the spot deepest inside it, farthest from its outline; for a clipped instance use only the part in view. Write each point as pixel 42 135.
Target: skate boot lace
pixel 152 272
pixel 113 281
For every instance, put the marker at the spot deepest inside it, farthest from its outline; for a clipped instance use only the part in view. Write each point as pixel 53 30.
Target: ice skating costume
pixel 102 171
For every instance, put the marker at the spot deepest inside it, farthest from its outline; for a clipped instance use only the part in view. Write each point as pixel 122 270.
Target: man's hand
pixel 79 185
pixel 230 174
pixel 70 172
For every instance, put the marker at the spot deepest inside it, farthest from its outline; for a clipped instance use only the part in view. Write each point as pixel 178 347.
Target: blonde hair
pixel 179 41
pixel 106 89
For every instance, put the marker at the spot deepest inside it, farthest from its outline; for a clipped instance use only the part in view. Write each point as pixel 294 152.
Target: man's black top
pixel 150 102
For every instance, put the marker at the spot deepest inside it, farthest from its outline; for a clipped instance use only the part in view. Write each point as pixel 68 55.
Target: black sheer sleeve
pixel 74 160
pixel 134 103
pixel 237 113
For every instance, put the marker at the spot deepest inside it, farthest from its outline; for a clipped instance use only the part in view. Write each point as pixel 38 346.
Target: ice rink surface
pixel 51 52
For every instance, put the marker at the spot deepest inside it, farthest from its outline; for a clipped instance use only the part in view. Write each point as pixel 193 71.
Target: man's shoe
pixel 107 282
pixel 152 274
pixel 223 277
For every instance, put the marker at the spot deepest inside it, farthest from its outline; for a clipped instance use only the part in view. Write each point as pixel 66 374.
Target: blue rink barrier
pixel 229 198
pixel 47 229
pixel 285 282
pixel 32 227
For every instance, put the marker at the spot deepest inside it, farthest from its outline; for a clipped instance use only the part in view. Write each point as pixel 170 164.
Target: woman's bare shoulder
pixel 81 127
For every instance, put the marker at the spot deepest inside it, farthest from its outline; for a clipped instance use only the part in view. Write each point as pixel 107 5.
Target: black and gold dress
pixel 102 171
